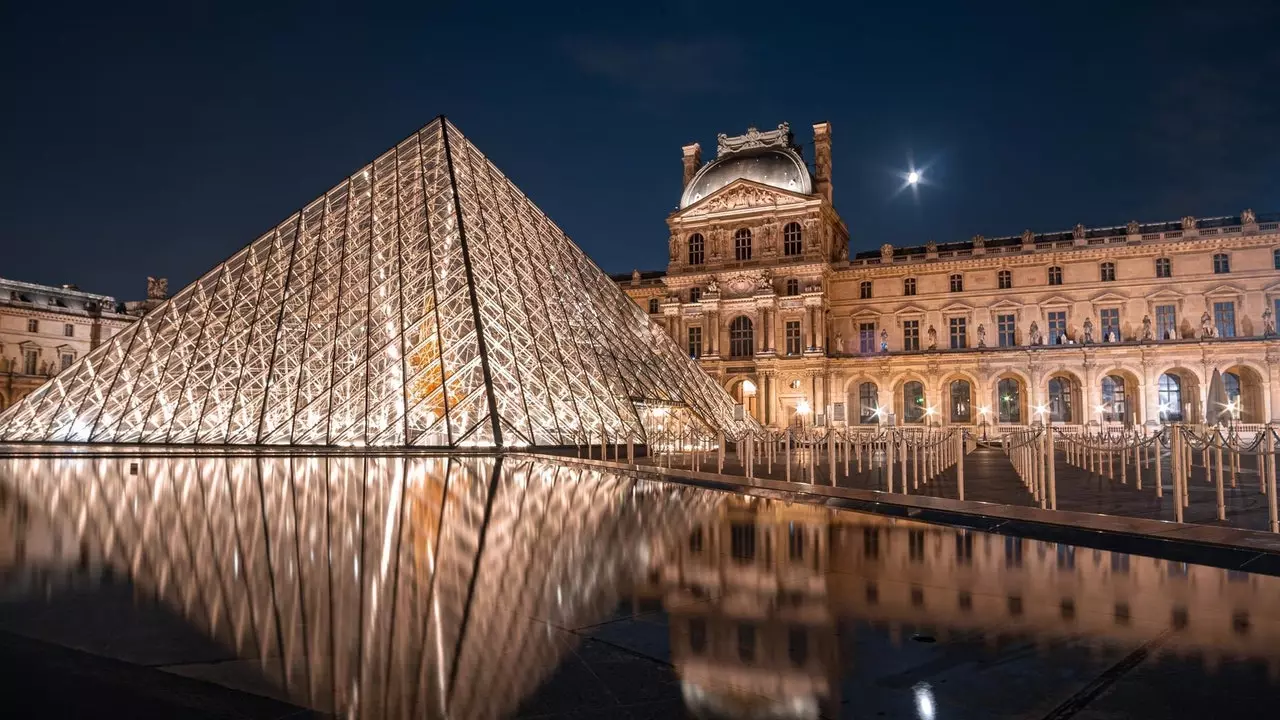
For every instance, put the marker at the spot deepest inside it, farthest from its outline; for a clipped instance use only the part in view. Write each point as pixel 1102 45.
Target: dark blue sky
pixel 158 140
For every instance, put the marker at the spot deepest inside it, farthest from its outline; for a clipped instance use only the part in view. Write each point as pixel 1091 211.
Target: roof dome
pixel 776 167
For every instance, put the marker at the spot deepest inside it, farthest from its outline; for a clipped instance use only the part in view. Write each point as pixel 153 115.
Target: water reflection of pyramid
pixel 423 301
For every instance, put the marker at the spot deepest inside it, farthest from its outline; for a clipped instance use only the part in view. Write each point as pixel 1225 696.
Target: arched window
pixel 1004 279
pixel 1055 275
pixel 791 239
pixel 1107 272
pixel 1231 387
pixel 696 246
pixel 1169 395
pixel 909 286
pixel 913 402
pixel 1009 401
pixel 793 286
pixel 961 401
pixel 695 294
pixel 653 305
pixel 1221 263
pixel 1059 400
pixel 742 244
pixel 741 337
pixel 1164 268
pixel 957 283
pixel 864 290
pixel 1113 399
pixel 868 403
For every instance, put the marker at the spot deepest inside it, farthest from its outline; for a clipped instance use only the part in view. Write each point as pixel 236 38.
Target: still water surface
pixel 471 587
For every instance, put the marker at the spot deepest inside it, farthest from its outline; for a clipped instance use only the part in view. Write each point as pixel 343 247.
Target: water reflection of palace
pixel 757 593
pixel 365 586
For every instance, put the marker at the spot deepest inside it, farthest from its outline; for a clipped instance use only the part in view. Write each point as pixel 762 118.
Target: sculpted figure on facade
pixel 1078 231
pixel 1248 218
pixel 1206 325
pixel 931 247
pixel 1035 337
pixel 1147 334
pixel 1028 237
pixel 675 248
pixel 886 252
pixel 1132 228
pixel 713 286
pixel 982 335
pixel 839 342
pixel 1088 331
pixel 635 277
pixel 157 288
pixel 1268 323
pixel 884 340
pixel 766 280
pixel 1188 223
pixel 933 338
pixel 979 242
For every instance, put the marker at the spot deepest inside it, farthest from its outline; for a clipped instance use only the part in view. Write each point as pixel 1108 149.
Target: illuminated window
pixel 1055 275
pixel 909 286
pixel 742 244
pixel 1167 322
pixel 866 337
pixel 696 246
pixel 1110 318
pixel 1169 395
pixel 1058 327
pixel 791 239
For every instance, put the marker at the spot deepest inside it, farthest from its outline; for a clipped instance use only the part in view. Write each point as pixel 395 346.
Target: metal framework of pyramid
pixel 424 301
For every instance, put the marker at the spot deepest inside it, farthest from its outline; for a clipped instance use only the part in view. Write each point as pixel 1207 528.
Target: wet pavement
pixel 379 586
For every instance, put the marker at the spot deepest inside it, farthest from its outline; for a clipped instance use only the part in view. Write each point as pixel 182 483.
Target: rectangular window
pixel 866 337
pixel 1224 318
pixel 792 334
pixel 1006 330
pixel 695 342
pixel 30 361
pixel 1058 327
pixel 911 335
pixel 67 359
pixel 69 330
pixel 1167 322
pixel 959 339
pixel 1110 324
pixel 1221 263
pixel 957 283
pixel 33 326
pixel 1164 267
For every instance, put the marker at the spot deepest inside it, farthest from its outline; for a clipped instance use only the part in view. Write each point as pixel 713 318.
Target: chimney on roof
pixel 822 159
pixel 692 161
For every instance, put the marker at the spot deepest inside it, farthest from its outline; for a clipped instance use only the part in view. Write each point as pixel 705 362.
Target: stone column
pixel 758 336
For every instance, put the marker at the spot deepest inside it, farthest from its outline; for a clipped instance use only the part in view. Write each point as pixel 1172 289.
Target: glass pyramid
pixel 424 301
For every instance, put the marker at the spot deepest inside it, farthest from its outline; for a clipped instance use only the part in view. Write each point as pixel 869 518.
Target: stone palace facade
pixel 1124 324
pixel 44 329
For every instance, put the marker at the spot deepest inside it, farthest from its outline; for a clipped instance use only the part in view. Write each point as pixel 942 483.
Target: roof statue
pixel 423 301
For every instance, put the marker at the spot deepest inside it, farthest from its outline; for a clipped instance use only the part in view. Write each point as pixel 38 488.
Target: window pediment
pixel 1005 304
pixel 957 308
pixel 910 310
pixel 1223 291
pixel 742 194
pixel 1109 298
pixel 1056 301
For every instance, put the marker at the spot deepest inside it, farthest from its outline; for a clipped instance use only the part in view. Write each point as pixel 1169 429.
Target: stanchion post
pixel 888 464
pixel 1270 462
pixel 960 464
pixel 1049 467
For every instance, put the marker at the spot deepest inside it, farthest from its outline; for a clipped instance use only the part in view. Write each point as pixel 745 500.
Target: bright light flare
pixel 803 407
pixel 913 177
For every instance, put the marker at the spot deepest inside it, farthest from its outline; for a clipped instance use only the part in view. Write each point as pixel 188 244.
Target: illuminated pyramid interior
pixel 424 301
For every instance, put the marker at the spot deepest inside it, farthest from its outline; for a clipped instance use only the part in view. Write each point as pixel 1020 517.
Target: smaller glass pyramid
pixel 424 301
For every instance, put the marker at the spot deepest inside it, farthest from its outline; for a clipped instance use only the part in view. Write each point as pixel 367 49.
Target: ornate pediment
pixel 741 194
pixel 1108 298
pixel 745 283
pixel 1055 300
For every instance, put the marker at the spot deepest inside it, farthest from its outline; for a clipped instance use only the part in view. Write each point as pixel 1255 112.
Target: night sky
pixel 158 140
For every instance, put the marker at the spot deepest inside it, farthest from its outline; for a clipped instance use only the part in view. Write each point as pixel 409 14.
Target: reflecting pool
pixel 478 587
